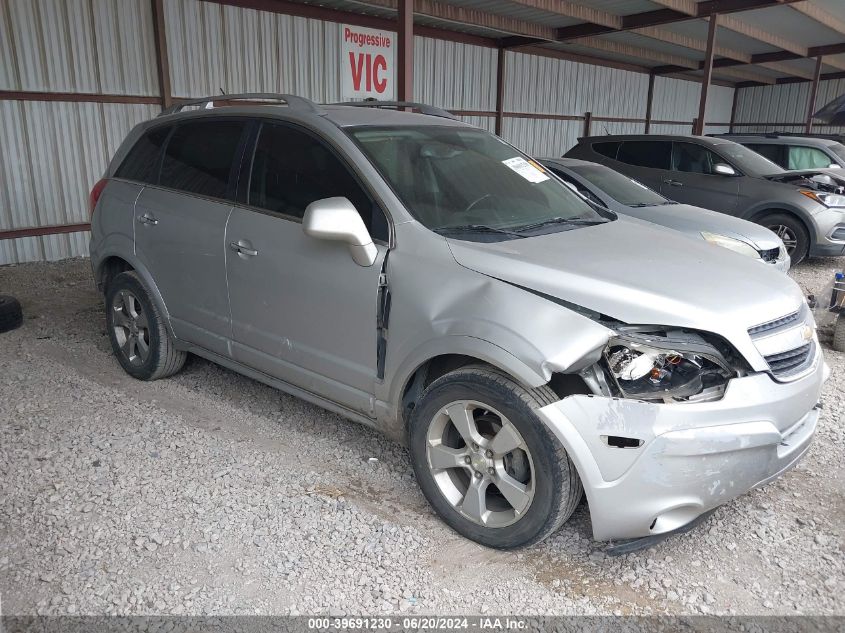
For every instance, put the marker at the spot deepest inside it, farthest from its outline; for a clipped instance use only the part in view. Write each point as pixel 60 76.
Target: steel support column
pixel 405 31
pixel 708 74
pixel 649 101
pixel 814 91
pixel 162 62
pixel 500 91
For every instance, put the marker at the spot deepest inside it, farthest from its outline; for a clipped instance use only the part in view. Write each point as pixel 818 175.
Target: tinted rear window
pixel 655 154
pixel 199 157
pixel 771 151
pixel 608 149
pixel 144 158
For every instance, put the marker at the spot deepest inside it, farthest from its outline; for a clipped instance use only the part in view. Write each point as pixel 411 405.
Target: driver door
pixel 302 310
pixel 692 179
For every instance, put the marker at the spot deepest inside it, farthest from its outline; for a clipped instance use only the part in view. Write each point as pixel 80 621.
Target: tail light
pixel 95 194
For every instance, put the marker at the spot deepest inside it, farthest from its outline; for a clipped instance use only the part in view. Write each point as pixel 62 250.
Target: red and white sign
pixel 367 67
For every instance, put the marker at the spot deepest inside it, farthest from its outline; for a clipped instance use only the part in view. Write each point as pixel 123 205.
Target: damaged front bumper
pixel 681 460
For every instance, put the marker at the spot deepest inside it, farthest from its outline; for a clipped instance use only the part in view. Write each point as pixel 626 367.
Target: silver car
pixel 806 209
pixel 622 194
pixel 423 277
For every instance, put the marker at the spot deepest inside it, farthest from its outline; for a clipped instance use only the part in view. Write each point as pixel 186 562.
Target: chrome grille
pixel 792 362
pixel 777 324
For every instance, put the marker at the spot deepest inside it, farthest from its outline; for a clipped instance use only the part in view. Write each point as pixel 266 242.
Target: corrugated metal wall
pixel 777 106
pixel 54 151
pixel 454 75
pixel 93 46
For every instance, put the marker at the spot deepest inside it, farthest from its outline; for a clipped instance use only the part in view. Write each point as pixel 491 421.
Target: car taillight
pixel 95 194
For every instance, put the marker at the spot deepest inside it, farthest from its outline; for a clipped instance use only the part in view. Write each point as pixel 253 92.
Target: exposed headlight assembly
pixel 738 246
pixel 666 365
pixel 832 200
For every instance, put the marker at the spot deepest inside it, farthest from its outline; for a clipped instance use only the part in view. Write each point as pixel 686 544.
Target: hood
pixel 642 274
pixel 828 180
pixel 693 220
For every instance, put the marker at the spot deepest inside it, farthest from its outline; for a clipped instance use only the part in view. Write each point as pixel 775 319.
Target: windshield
pixel 748 160
pixel 619 187
pixel 458 180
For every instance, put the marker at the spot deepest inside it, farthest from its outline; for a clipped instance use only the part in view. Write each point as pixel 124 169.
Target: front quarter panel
pixel 440 307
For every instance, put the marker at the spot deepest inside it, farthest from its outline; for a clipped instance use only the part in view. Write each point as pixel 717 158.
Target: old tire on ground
pixel 839 334
pixel 486 462
pixel 137 332
pixel 792 231
pixel 11 315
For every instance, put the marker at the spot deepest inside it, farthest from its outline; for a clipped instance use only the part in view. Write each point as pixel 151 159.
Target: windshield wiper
pixel 570 221
pixel 480 228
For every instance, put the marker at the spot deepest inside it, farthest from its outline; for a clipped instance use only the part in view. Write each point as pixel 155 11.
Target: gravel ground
pixel 209 493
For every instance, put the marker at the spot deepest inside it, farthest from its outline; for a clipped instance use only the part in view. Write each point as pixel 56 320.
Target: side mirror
pixel 723 169
pixel 834 166
pixel 337 220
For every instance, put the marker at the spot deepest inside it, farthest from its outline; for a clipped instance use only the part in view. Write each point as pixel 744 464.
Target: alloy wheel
pixel 131 327
pixel 480 463
pixel 790 240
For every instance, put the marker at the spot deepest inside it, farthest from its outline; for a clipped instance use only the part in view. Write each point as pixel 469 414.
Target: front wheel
pixel 792 232
pixel 486 462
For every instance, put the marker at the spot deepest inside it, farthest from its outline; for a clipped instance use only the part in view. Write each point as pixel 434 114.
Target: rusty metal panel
pixel 216 48
pixel 95 46
pixel 53 153
pixel 537 84
pixel 454 75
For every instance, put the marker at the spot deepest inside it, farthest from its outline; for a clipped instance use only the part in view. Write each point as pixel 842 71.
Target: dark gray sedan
pixel 625 195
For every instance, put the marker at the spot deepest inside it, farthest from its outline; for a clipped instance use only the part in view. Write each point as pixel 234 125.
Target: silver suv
pixel 806 209
pixel 423 277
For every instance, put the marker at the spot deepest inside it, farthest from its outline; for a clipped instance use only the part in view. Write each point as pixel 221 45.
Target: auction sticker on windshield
pixel 525 169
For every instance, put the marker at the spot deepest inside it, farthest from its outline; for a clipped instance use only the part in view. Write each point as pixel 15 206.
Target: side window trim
pixel 245 176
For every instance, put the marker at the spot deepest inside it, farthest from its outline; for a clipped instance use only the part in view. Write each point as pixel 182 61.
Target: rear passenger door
pixel 693 180
pixel 180 224
pixel 302 309
pixel 646 161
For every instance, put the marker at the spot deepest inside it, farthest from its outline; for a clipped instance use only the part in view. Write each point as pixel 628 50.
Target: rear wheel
pixel 487 463
pixel 793 233
pixel 137 332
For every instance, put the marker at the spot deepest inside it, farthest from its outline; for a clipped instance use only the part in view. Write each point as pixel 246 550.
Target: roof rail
pixel 292 101
pixel 422 107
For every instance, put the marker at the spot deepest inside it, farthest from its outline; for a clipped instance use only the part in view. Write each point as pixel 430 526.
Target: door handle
pixel 673 183
pixel 243 249
pixel 147 218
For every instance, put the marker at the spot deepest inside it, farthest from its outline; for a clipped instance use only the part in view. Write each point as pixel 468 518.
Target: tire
pixel 137 332
pixel 11 316
pixel 793 233
pixel 543 487
pixel 839 334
